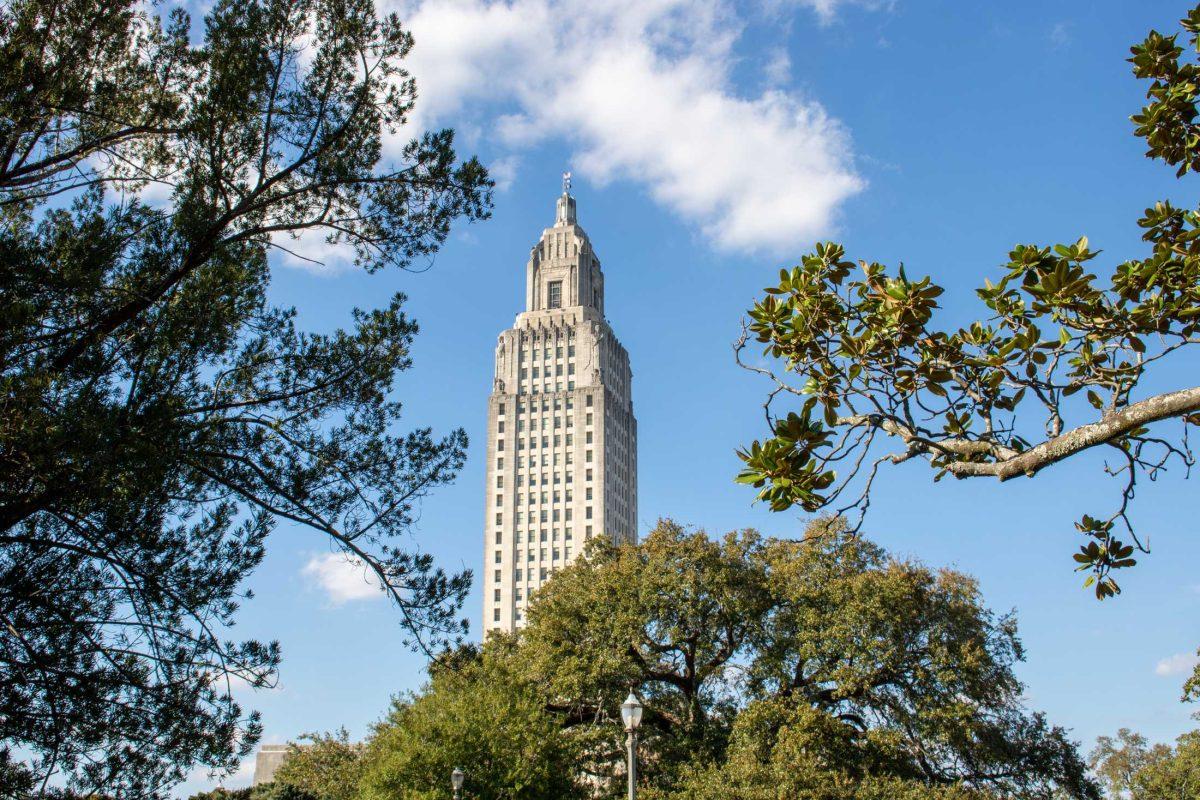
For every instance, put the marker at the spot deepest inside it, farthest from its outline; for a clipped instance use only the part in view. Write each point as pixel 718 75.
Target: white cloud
pixel 1060 34
pixel 309 250
pixel 1177 664
pixel 504 172
pixel 778 69
pixel 199 780
pixel 642 92
pixel 826 10
pixel 342 578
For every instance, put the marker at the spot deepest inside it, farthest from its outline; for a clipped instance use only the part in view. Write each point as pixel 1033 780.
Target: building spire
pixel 564 213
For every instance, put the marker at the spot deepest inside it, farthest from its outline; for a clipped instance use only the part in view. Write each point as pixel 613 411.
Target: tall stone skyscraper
pixel 562 438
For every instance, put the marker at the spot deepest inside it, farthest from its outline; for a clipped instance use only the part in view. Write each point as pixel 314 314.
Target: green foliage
pixel 1117 762
pixel 1050 372
pixel 1130 769
pixel 823 659
pixel 326 767
pixel 483 717
pixel 784 748
pixel 160 415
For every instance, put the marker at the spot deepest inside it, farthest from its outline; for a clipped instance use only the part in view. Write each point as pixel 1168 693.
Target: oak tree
pixel 893 671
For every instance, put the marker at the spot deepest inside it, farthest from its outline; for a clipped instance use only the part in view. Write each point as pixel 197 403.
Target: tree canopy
pixel 160 415
pixel 1131 769
pixel 481 714
pixel 1052 369
pixel 822 669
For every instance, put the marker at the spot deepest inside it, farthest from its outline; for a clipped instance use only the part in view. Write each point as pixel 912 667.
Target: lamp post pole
pixel 631 715
pixel 631 741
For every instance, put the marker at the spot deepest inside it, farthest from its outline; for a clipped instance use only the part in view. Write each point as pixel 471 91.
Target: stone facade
pixel 562 437
pixel 267 761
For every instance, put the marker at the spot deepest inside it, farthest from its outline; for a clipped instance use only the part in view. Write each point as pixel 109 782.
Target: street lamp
pixel 456 780
pixel 631 715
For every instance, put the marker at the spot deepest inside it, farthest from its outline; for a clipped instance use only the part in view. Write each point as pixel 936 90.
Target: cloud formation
pixel 642 91
pixel 826 10
pixel 342 579
pixel 1178 664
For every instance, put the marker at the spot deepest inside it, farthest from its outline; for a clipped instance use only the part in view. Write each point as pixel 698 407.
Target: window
pixel 500 445
pixel 496 615
pixel 518 575
pixel 498 575
pixel 567 536
pixel 500 482
pixel 499 518
pixel 542 575
pixel 499 501
pixel 500 410
pixel 499 537
pixel 589 489
pixel 589 418
pixel 588 438
pixel 499 463
pixel 588 403
pixel 497 556
pixel 500 426
pixel 589 475
pixel 587 534
pixel 589 455
pixel 496 595
pixel 519 594
pixel 589 512
pixel 555 295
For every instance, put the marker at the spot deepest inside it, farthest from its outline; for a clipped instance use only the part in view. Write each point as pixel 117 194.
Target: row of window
pixel 545 460
pixel 541 535
pixel 545 479
pixel 545 354
pixel 545 405
pixel 558 371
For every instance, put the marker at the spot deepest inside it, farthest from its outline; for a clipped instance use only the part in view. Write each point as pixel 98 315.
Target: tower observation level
pixel 562 438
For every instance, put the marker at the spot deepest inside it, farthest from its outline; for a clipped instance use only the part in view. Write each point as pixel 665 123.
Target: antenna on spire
pixel 566 183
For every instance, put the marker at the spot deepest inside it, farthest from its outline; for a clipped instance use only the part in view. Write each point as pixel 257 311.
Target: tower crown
pixel 563 270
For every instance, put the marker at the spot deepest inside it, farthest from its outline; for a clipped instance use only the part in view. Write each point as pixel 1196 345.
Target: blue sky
pixel 712 143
